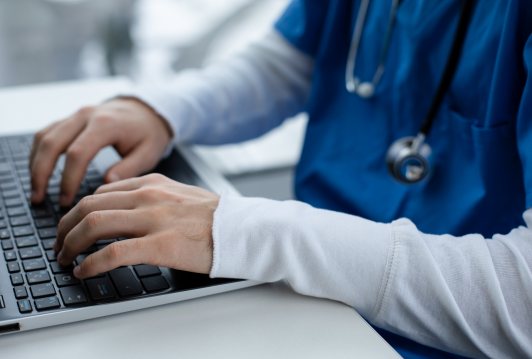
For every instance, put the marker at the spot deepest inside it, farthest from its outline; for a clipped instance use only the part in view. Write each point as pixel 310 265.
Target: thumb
pixel 140 160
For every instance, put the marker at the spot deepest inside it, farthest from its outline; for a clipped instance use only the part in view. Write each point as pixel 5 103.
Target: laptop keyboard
pixel 27 233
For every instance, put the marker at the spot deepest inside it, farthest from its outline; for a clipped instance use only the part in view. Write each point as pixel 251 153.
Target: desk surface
pixel 260 322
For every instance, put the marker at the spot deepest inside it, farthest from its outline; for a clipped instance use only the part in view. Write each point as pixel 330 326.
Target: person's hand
pixel 138 134
pixel 169 224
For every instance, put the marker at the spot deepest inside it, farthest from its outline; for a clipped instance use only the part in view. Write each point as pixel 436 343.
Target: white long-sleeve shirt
pixel 471 296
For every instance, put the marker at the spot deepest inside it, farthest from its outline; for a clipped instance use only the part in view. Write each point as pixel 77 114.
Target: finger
pixel 140 160
pixel 50 146
pixel 37 138
pixel 132 184
pixel 129 252
pixel 126 185
pixel 89 204
pixel 78 156
pixel 100 225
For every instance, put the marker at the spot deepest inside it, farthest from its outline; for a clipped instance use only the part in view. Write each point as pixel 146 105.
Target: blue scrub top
pixel 482 135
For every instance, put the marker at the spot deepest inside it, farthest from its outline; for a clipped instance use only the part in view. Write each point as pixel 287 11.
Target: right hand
pixel 135 130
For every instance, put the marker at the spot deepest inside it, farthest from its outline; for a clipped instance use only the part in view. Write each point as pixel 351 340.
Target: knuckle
pixel 74 153
pixel 47 142
pixel 115 252
pixel 86 110
pixel 92 220
pixel 102 119
pixel 39 135
pixel 155 177
pixel 150 193
pixel 88 264
pixel 85 205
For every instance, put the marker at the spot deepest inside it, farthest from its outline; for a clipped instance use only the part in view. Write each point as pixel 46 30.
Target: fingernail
pixel 77 271
pixel 63 200
pixel 60 257
pixel 55 246
pixel 114 177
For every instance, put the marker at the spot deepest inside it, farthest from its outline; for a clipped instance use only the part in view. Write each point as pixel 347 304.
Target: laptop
pixel 36 292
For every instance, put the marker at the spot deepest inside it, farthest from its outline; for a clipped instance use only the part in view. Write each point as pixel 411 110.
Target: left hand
pixel 169 224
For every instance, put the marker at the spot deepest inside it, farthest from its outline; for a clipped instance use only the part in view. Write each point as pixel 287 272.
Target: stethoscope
pixel 409 159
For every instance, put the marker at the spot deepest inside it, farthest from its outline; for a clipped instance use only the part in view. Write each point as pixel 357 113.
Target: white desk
pixel 267 321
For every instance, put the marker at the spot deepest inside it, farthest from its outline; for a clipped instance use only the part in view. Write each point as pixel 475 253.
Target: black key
pixel 8 186
pixel 99 247
pixel 93 171
pixel 19 221
pixel 4 233
pixel 125 282
pixel 28 241
pixel 41 211
pixel 21 165
pixel 54 182
pixel 24 306
pixel 29 253
pixel 4 169
pixel 34 264
pixel 26 187
pixel 48 232
pixel 89 250
pixel 57 268
pixel 83 191
pixel 7 245
pixel 105 241
pixel 16 211
pixel 10 194
pixel 42 290
pixel 47 303
pixel 13 202
pixel 81 258
pixel 22 231
pixel 48 243
pixel 93 177
pixel 54 199
pixel 6 178
pixel 38 277
pixel 3 224
pixel 13 267
pixel 45 222
pixel 145 270
pixel 73 295
pixel 18 158
pixel 20 292
pixel 53 190
pixel 95 183
pixel 154 284
pixel 23 172
pixel 25 181
pixel 10 255
pixel 17 279
pixel 51 255
pixel 99 288
pixel 66 279
pixel 100 275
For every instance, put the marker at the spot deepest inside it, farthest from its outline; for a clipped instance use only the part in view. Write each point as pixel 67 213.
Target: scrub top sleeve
pixel 524 125
pixel 302 24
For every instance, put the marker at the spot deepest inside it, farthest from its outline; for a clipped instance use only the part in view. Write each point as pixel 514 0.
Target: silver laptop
pixel 36 292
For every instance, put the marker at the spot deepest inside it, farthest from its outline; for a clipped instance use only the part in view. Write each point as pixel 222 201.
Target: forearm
pixel 235 100
pixel 466 295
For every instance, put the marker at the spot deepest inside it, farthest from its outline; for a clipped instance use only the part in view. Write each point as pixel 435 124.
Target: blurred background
pixel 149 41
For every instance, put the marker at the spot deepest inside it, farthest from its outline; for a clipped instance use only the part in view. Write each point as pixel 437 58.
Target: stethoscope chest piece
pixel 409 160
